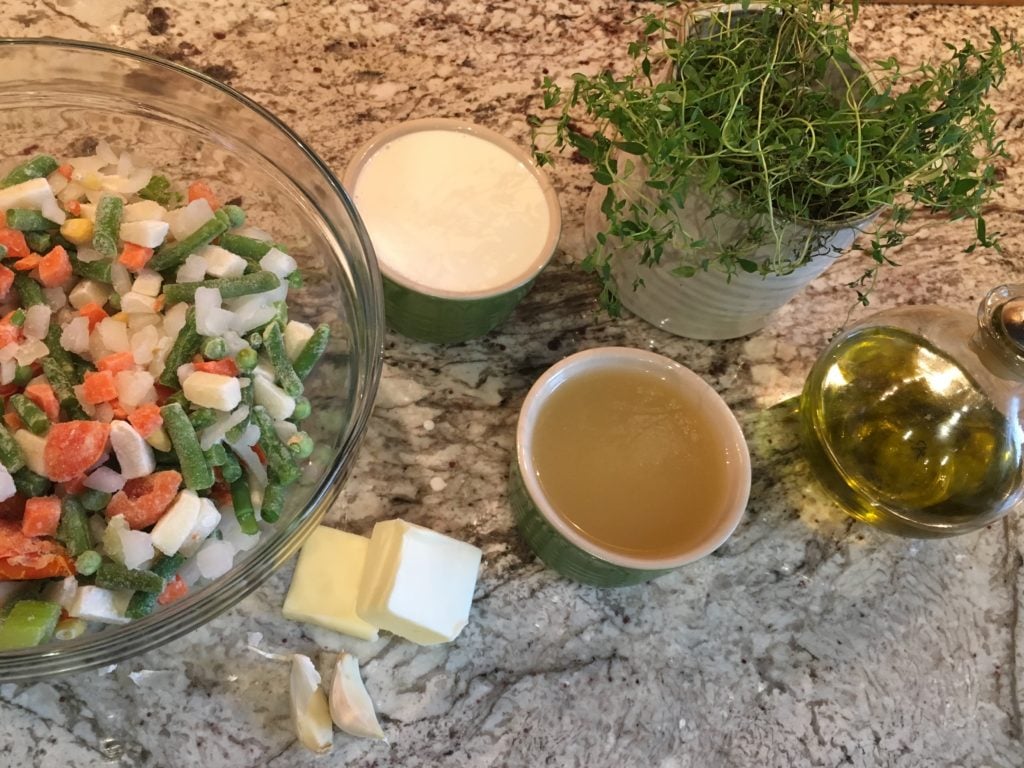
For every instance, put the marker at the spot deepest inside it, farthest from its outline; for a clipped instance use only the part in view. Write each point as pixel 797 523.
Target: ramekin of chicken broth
pixel 628 465
pixel 461 220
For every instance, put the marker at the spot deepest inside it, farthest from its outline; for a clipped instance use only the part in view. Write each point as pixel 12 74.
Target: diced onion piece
pixel 136 548
pixel 105 479
pixel 221 262
pixel 120 278
pixel 55 298
pixel 37 321
pixel 7 488
pixel 143 344
pixel 113 334
pixel 184 221
pixel 31 351
pixel 215 559
pixel 148 283
pixel 216 431
pixel 134 388
pixel 192 270
pixel 174 320
pixel 143 210
pixel 278 262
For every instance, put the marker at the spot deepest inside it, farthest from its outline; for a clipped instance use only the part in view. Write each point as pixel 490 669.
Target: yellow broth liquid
pixel 903 438
pixel 631 463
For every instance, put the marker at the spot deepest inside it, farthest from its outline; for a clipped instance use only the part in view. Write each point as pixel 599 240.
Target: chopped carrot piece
pixel 73 207
pixel 146 419
pixel 225 367
pixel 94 312
pixel 41 393
pixel 55 267
pixel 42 513
pixel 27 263
pixel 200 189
pixel 13 421
pixel 135 257
pixel 116 362
pixel 25 557
pixel 65 170
pixel 119 411
pixel 175 590
pixel 143 500
pixel 6 281
pixel 9 333
pixel 72 447
pixel 99 387
pixel 14 241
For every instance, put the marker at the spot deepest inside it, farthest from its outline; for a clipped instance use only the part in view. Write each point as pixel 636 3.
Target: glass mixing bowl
pixel 61 97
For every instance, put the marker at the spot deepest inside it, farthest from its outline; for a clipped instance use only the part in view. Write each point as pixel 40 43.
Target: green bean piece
pixel 246 359
pixel 23 374
pixel 172 255
pixel 29 484
pixel 39 242
pixel 201 418
pixel 229 287
pixel 231 470
pixel 87 563
pixel 302 409
pixel 158 189
pixel 62 382
pixel 241 500
pixel 109 211
pixel 143 603
pixel 57 352
pixel 182 350
pixel 194 470
pixel 36 168
pixel 312 351
pixel 28 289
pixel 273 502
pixel 73 529
pixel 248 395
pixel 235 214
pixel 282 312
pixel 215 455
pixel 279 459
pixel 255 340
pixel 301 445
pixel 295 280
pixel 93 500
pixel 273 342
pixel 98 270
pixel 250 249
pixel 30 413
pixel 111 575
pixel 28 220
pixel 215 348
pixel 10 452
pixel 29 623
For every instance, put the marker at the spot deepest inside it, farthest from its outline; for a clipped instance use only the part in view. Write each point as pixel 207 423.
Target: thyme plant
pixel 767 118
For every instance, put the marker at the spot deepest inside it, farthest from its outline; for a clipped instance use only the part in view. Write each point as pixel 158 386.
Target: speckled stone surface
pixel 806 641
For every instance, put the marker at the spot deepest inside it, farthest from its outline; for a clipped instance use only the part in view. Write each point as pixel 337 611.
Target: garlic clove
pixel 310 713
pixel 351 708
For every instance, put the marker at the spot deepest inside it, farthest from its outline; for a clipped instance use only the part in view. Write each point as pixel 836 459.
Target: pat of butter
pixel 326 582
pixel 418 583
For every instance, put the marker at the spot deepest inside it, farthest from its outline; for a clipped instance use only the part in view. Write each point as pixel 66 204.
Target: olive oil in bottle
pixel 911 422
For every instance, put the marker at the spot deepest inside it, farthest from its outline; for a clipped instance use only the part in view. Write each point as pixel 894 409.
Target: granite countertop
pixel 807 640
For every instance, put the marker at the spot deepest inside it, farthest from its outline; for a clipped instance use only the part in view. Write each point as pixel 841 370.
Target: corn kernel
pixel 78 231
pixel 159 440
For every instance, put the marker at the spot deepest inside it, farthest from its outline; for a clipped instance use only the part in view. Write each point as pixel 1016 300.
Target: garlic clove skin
pixel 351 708
pixel 310 713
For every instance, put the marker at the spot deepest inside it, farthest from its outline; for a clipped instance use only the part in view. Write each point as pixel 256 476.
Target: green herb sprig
pixel 767 119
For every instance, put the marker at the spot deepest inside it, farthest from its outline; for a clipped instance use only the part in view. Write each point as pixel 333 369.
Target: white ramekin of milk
pixel 462 221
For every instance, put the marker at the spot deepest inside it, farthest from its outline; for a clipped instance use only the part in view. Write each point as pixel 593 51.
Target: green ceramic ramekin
pixel 443 316
pixel 558 543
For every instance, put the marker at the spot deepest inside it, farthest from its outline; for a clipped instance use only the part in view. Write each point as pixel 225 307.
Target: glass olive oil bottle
pixel 911 419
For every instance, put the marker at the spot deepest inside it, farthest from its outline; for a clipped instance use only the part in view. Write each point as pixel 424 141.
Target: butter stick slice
pixel 418 583
pixel 326 583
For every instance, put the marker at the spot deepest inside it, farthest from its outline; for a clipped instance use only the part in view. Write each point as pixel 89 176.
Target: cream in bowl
pixel 628 466
pixel 461 221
